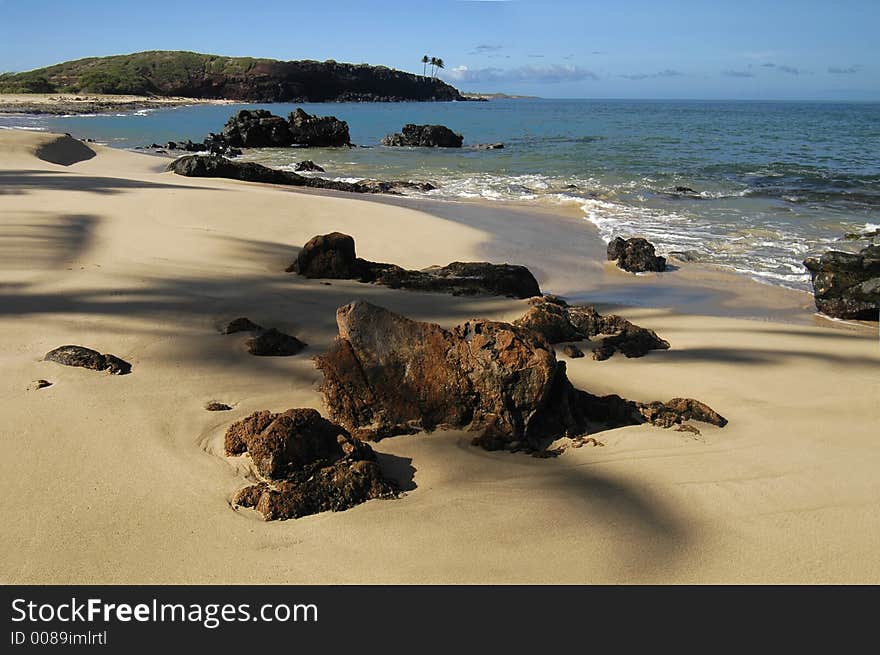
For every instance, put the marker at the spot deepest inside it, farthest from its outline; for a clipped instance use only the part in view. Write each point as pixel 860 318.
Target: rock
pixel 215 406
pixel 678 410
pixel 308 165
pixel 386 374
pixel 635 255
pixel 242 324
pixel 307 463
pixel 395 186
pixel 557 322
pixel 88 358
pixel 333 256
pixel 328 256
pixel 573 351
pixel 219 166
pixel 867 234
pixel 847 285
pixel 460 279
pixel 257 128
pixel 36 385
pixel 317 132
pixel 426 136
pixel 684 189
pixel 272 343
pixel 489 146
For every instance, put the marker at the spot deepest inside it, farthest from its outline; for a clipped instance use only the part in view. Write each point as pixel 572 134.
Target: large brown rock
pixel 307 463
pixel 88 358
pixel 387 374
pixel 558 322
pixel 333 256
pixel 328 256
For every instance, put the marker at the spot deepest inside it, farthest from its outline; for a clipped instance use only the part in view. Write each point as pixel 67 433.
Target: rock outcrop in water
pixel 635 255
pixel 847 285
pixel 424 136
pixel 259 128
pixel 306 465
pixel 558 322
pixel 218 166
pixel 333 256
pixel 386 374
pixel 88 358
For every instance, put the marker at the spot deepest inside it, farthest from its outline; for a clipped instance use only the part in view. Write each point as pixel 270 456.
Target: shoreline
pixel 64 104
pixel 108 474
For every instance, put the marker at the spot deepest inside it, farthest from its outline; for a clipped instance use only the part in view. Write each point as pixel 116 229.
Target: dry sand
pixel 121 479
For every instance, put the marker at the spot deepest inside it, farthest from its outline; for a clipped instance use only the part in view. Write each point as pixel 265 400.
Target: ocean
pixel 772 182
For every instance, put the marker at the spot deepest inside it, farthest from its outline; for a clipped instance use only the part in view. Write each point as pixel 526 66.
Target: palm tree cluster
pixel 435 62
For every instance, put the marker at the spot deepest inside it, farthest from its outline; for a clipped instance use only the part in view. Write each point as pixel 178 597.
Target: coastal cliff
pixel 194 75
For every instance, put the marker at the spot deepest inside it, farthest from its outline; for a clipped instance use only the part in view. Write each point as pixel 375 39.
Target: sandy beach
pixel 89 103
pixel 122 479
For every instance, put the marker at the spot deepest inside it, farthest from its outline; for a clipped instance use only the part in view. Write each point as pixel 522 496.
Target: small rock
pixel 572 351
pixel 88 358
pixel 215 406
pixel 635 255
pixel 489 146
pixel 39 384
pixel 242 324
pixel 308 165
pixel 272 343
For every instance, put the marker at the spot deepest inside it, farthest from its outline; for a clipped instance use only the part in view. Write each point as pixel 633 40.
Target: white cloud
pixel 549 74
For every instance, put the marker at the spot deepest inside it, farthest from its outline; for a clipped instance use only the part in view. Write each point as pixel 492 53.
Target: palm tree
pixel 433 62
pixel 439 64
pixel 425 61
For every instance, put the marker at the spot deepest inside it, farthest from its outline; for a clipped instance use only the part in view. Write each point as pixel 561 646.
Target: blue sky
pixel 611 49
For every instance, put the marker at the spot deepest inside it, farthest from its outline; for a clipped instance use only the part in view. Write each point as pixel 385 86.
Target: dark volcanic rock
pixel 557 322
pixel 272 343
pixel 88 358
pixel 333 256
pixel 218 166
pixel 394 186
pixel 428 136
pixel 461 279
pixel 572 351
pixel 308 165
pixel 386 374
pixel 847 285
pixel 257 128
pixel 242 324
pixel 635 255
pixel 317 131
pixel 328 256
pixel 215 406
pixel 307 463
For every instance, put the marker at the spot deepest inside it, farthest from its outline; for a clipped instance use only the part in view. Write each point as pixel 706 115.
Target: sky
pixel 767 49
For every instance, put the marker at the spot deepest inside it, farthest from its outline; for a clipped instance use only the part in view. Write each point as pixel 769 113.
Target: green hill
pixel 194 75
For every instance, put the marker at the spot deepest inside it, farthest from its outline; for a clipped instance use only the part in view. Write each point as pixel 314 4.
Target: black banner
pixel 220 619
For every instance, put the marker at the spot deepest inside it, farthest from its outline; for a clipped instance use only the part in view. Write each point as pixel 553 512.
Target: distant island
pixel 497 96
pixel 166 73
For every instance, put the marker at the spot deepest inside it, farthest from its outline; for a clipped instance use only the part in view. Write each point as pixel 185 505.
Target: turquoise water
pixel 774 181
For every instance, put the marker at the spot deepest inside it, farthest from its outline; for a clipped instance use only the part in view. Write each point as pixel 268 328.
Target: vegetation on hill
pixel 190 74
